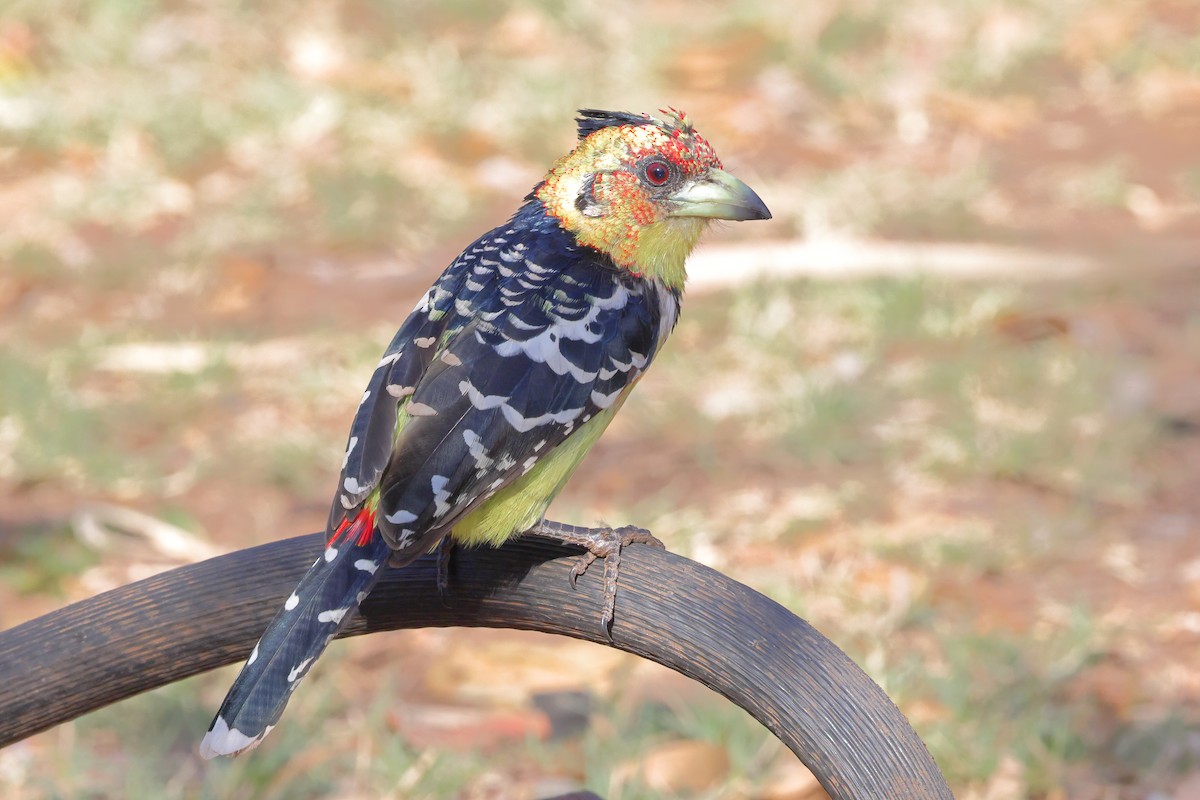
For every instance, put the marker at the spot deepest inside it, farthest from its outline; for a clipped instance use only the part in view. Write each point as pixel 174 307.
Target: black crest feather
pixel 591 120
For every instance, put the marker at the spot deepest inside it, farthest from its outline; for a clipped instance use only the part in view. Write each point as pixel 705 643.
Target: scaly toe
pixel 631 534
pixel 581 566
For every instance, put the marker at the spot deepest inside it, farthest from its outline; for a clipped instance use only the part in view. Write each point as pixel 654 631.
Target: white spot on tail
pixel 253 656
pixel 451 359
pixel 388 359
pixel 424 341
pixel 366 565
pixel 299 670
pixel 330 553
pixel 292 602
pixel 334 615
pixel 221 740
pixel 352 486
pixel 366 394
pixel 398 391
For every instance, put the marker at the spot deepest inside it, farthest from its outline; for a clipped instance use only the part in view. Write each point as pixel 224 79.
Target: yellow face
pixel 644 192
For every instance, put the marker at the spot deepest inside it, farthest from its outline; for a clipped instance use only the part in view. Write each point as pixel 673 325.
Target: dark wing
pixel 543 336
pixel 406 360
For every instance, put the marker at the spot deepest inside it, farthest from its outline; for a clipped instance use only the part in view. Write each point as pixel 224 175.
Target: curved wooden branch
pixel 669 609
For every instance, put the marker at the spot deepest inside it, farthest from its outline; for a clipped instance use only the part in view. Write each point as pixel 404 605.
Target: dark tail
pixel 324 601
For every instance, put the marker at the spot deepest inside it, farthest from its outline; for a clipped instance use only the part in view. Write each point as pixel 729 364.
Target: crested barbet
pixel 501 379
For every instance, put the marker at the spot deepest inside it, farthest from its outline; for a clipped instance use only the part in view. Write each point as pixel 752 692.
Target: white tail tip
pixel 221 740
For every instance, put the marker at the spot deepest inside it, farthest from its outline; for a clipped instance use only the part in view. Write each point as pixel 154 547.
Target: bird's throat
pixel 660 250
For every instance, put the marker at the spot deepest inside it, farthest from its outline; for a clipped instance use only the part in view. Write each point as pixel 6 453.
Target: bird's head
pixel 642 190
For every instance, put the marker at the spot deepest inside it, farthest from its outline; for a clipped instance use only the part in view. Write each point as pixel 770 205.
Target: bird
pixel 501 380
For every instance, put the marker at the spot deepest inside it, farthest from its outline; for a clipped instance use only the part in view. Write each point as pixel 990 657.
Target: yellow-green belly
pixel 522 504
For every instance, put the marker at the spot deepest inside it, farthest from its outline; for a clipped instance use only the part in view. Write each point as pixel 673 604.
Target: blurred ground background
pixel 980 481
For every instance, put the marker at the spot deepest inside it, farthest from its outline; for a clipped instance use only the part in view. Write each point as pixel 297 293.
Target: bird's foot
pixel 605 543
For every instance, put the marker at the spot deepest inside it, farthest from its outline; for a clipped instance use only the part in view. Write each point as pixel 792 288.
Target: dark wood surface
pixel 669 609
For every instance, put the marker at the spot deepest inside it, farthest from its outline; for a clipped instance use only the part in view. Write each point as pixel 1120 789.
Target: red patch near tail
pixel 359 528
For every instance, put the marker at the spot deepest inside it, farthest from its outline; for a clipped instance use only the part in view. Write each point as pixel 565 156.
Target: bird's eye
pixel 657 173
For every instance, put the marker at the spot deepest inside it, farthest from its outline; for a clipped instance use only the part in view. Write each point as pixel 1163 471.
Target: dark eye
pixel 657 173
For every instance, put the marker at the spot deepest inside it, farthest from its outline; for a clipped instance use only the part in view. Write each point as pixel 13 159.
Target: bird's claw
pixel 580 566
pixel 605 543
